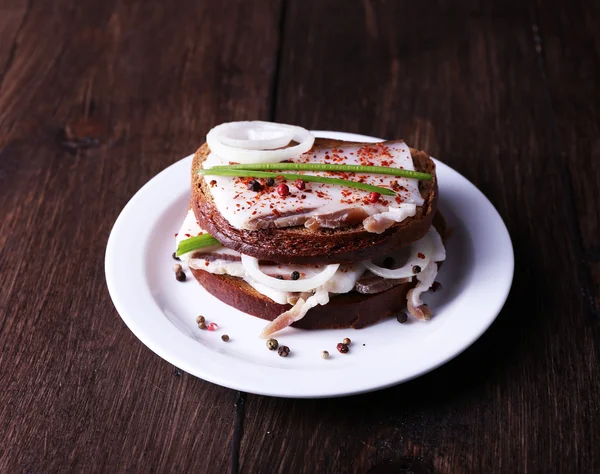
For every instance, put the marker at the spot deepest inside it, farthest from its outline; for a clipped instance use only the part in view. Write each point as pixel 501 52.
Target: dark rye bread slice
pixel 303 246
pixel 346 310
pixel 343 311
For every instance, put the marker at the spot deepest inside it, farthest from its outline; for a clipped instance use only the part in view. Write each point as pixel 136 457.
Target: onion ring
pixel 258 142
pixel 420 255
pixel 252 269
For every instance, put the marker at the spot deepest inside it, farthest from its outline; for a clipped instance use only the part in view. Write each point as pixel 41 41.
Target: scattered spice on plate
pixel 272 344
pixel 343 348
pixel 283 351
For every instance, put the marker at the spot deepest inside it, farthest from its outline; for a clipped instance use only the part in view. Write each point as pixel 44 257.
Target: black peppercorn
pixel 402 318
pixel 416 269
pixel 225 338
pixel 343 348
pixel 180 276
pixel 280 277
pixel 295 275
pixel 283 351
pixel 254 185
pixel 270 182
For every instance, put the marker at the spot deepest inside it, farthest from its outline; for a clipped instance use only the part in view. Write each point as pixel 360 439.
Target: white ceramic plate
pixel 161 311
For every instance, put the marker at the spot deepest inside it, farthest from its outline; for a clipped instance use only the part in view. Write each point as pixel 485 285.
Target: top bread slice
pixel 299 245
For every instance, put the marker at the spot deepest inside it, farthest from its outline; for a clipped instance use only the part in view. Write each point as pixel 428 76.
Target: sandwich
pixel 311 232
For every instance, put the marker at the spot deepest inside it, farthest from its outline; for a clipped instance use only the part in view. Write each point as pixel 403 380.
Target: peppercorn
pixel 374 197
pixel 254 185
pixel 402 317
pixel 283 189
pixel 180 276
pixel 280 277
pixel 346 341
pixel 175 257
pixel 212 326
pixel 436 286
pixel 416 269
pixel 283 351
pixel 324 355
pixel 270 182
pixel 300 184
pixel 200 319
pixel 272 344
pixel 225 338
pixel 202 325
pixel 295 275
pixel 343 348
pixel 177 268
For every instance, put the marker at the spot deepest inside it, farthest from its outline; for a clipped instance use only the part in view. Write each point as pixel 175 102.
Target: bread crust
pixel 303 246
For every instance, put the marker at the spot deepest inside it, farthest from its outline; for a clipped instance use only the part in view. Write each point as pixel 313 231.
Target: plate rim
pixel 157 347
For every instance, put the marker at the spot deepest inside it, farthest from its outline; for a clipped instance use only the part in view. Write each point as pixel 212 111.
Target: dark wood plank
pixel 462 81
pixel 570 58
pixel 12 15
pixel 79 392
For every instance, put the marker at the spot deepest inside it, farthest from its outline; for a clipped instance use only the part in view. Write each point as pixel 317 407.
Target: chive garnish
pixel 242 173
pixel 330 167
pixel 195 243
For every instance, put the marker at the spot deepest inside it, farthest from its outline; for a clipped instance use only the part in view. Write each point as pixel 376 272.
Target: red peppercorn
pixel 283 189
pixel 374 197
pixel 300 184
pixel 212 326
pixel 343 348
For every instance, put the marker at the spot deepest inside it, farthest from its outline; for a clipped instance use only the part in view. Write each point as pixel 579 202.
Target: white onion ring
pixel 265 147
pixel 422 246
pixel 253 270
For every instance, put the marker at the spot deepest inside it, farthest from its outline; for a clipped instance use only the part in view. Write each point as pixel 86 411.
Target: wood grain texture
pixel 570 58
pixel 506 94
pixel 79 392
pixel 463 82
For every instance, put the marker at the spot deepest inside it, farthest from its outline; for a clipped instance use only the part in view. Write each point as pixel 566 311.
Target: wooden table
pixel 98 97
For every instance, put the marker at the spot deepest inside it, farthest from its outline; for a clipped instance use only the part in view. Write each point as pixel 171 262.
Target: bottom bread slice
pixel 346 310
